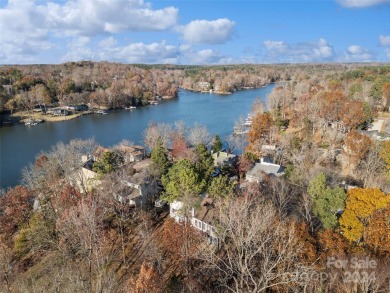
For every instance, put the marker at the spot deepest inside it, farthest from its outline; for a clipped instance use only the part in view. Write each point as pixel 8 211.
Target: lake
pixel 19 145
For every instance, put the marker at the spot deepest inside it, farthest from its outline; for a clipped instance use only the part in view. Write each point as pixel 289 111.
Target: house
pixel 201 218
pixel 60 112
pixel 133 153
pixel 99 152
pixel 85 178
pixel 175 211
pixel 264 167
pixel 141 191
pixel 224 158
pixel 203 85
pixel 374 134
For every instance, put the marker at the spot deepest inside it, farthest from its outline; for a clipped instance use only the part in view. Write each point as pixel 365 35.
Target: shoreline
pixel 226 93
pixel 22 117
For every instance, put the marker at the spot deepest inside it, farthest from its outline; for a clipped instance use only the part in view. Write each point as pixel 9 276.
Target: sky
pixel 194 31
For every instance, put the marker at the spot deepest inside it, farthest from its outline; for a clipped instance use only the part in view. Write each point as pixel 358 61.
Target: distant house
pixel 81 107
pixel 264 167
pixel 223 158
pixel 133 153
pixel 203 85
pixel 60 112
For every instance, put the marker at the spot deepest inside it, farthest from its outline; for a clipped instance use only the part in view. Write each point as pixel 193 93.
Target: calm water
pixel 20 144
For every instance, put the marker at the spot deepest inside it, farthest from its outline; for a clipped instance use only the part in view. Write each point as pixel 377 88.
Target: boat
pixel 33 122
pixel 101 112
pixel 153 103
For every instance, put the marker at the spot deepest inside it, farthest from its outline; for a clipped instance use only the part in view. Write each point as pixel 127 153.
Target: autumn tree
pixel 353 114
pixel 259 130
pixel 360 205
pixel 386 93
pixel 327 202
pixel 377 233
pixel 385 153
pixel 15 209
pixel 357 145
pixel 148 280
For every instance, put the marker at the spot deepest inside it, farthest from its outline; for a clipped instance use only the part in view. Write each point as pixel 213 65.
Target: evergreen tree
pixel 205 162
pixel 221 187
pixel 182 181
pixel 160 158
pixel 217 144
pixel 327 202
pixel 109 161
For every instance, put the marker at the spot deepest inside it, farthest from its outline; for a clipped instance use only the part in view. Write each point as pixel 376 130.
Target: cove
pixel 19 145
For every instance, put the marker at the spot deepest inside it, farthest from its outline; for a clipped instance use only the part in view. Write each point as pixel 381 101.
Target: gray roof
pixel 266 168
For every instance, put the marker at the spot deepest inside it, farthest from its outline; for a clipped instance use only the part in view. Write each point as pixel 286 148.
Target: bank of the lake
pixel 20 144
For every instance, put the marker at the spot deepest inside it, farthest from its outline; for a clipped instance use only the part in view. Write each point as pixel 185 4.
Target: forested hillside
pixel 303 205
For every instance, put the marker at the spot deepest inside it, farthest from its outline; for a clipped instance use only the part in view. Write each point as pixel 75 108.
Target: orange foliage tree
pixel 357 145
pixel 360 205
pixel 15 209
pixel 147 281
pixel 385 153
pixel 352 114
pixel 259 130
pixel 378 230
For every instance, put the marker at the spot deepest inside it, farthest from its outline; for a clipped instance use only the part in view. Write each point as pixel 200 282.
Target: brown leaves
pixel 148 280
pixel 15 209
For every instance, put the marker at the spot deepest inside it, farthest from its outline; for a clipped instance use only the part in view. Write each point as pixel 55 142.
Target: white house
pixel 201 218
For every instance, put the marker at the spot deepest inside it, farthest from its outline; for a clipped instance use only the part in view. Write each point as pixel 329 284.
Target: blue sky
pixel 194 31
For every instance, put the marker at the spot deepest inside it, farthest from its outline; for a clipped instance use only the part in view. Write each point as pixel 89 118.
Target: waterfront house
pixel 99 152
pixel 203 86
pixel 133 153
pixel 85 179
pixel 264 167
pixel 60 112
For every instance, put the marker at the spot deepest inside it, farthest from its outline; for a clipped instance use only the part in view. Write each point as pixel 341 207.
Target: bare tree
pixel 199 134
pixel 156 132
pixel 258 251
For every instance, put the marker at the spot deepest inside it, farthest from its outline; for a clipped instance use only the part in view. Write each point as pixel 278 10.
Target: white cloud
pixel 132 53
pixel 387 52
pixel 208 32
pixel 355 53
pixel 384 40
pixel 279 51
pixel 108 42
pixel 28 28
pixel 92 17
pixel 362 3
